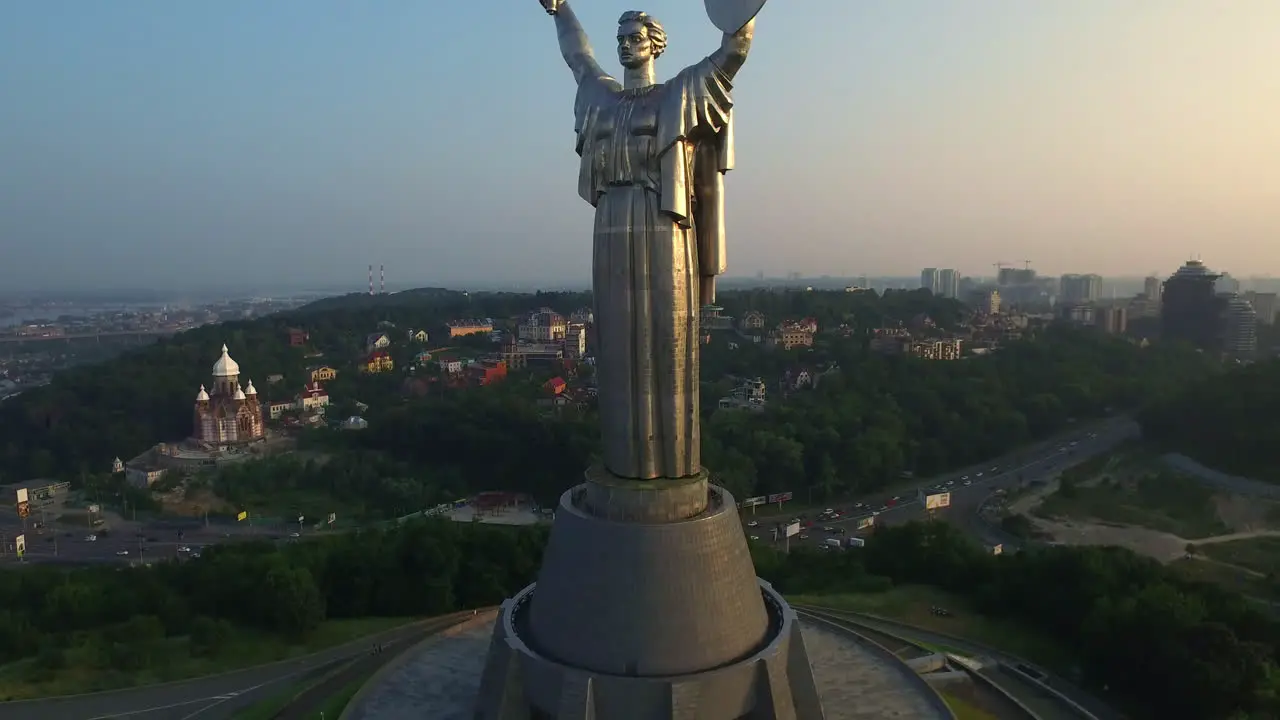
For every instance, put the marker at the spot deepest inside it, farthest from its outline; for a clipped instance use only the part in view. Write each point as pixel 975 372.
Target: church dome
pixel 225 367
pixel 239 394
pixel 251 390
pixel 202 396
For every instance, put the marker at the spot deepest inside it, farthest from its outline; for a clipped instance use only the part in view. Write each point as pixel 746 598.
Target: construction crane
pixel 1026 264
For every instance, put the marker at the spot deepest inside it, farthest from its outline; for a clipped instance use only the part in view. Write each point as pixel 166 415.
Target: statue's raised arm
pixel 574 45
pixel 733 49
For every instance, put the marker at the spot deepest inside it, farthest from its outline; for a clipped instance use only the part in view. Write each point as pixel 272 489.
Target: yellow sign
pixel 243 514
pixel 20 544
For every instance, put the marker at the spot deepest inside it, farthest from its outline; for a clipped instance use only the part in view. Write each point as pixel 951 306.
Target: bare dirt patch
pixel 1130 503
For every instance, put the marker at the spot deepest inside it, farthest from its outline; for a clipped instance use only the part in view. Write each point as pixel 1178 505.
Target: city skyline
pixel 165 146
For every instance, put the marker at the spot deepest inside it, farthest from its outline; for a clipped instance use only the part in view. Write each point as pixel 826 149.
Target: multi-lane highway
pixel 123 541
pixel 969 488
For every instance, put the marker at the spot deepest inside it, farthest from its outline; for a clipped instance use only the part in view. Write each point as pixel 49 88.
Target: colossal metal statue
pixel 647 605
pixel 653 158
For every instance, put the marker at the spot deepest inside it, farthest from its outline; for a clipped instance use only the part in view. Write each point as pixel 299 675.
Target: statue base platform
pixel 647 608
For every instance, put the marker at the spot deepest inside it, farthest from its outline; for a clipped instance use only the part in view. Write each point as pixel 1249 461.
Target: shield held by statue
pixel 731 15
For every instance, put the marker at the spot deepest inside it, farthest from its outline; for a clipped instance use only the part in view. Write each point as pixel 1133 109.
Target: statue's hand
pixel 551 6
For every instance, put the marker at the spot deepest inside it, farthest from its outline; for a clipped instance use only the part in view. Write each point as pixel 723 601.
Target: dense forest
pixel 1228 422
pixel 869 419
pixel 1161 646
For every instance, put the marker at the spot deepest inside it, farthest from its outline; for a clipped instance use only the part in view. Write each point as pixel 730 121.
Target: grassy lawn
pixel 269 708
pixel 337 702
pixel 171 659
pixel 1260 554
pixel 964 709
pixel 1163 501
pixel 911 603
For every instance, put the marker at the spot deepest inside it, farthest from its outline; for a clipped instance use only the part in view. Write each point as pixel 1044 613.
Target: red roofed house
pixel 377 361
pixel 556 385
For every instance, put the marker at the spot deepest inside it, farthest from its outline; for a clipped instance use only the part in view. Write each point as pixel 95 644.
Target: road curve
pixel 1011 471
pixel 212 696
pixel 1085 700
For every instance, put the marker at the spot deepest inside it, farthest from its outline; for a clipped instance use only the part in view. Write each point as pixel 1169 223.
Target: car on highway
pixel 754 523
pixel 755 537
pixel 184 549
pixel 828 529
pixel 122 553
pixel 91 538
pixel 968 483
pixel 294 535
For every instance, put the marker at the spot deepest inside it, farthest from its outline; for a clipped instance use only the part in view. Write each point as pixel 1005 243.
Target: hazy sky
pixel 150 142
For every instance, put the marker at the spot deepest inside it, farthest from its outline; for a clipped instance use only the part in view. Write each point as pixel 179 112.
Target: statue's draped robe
pixel 652 165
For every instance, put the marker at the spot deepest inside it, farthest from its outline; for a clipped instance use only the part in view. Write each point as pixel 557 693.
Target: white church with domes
pixel 226 413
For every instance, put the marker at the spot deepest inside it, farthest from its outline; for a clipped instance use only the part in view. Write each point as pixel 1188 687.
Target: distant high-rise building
pixel 1079 289
pixel 1239 327
pixel 1113 320
pixel 1227 285
pixel 1190 310
pixel 929 280
pixel 948 283
pixel 1264 304
pixel 1151 288
pixel 1015 276
pixel 991 302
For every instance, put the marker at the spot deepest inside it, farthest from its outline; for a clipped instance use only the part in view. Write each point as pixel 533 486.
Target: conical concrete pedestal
pixel 647 608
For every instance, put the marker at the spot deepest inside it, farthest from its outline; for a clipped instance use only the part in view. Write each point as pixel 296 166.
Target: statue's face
pixel 634 48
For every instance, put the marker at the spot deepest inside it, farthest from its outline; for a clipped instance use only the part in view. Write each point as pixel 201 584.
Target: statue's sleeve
pixel 695 137
pixel 593 92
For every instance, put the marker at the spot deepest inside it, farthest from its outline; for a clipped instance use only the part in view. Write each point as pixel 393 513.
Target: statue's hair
pixel 657 36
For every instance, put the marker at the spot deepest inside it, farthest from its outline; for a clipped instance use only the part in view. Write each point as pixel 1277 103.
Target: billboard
pixel 754 501
pixel 997 549
pixel 935 501
pixel 24 503
pixel 866 522
pixel 779 497
pixel 242 515
pixel 20 545
pixel 333 518
pixel 792 530
pixel 94 509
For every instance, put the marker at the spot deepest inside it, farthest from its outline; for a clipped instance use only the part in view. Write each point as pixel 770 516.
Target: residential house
pixel 277 408
pixel 313 398
pixel 274 378
pixel 297 337
pixel 469 326
pixel 935 349
pixel 752 320
pixel 797 379
pixel 376 341
pixel 321 373
pixel 792 335
pixel 422 358
pixel 487 372
pixel 575 341
pixel 555 385
pixel 518 355
pixel 542 326
pixel 377 361
pixel 418 336
pixel 749 395
pixel 450 365
pixel 582 316
pixel 712 317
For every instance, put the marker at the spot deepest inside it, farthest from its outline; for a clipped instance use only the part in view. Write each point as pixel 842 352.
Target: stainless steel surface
pixel 730 15
pixel 653 157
